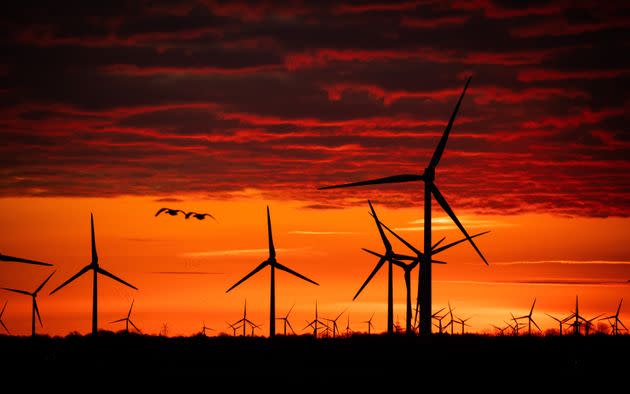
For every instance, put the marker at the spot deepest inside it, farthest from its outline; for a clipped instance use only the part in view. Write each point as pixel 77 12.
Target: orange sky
pixel 321 244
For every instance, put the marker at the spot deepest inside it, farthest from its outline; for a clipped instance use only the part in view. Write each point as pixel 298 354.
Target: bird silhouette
pixel 172 212
pixel 199 216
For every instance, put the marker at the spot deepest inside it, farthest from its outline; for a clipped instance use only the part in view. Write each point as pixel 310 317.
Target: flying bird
pixel 172 212
pixel 199 216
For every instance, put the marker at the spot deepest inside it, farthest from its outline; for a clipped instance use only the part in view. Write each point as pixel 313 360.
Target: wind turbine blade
pixel 439 150
pixel 442 201
pixel 130 308
pixel 532 310
pixel 374 271
pixel 448 246
pixel 17 291
pixel 83 271
pixel 289 312
pixel 388 179
pixel 114 277
pixel 388 245
pixel 619 308
pixel 4 257
pixel 289 270
pixel 254 271
pixel 44 283
pixel 3 308
pixel 94 253
pixel 435 245
pixel 401 239
pixel 623 325
pixel 137 329
pixel 533 321
pixel 554 318
pixel 118 321
pixel 272 250
pixel 290 326
pixel 37 313
pixel 5 327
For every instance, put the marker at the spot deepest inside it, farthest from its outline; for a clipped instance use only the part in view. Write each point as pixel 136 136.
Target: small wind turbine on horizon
pixel 244 321
pixel 273 264
pixel 33 295
pixel 335 328
pixel 501 329
pixel 530 320
pixel 430 190
pixel 348 331
pixel 127 320
pixel 369 324
pixel 315 323
pixel 204 329
pixel 463 323
pixel 2 314
pixel 436 316
pixel 615 321
pixel 96 269
pixel 234 327
pixel 560 322
pixel 286 322
pixel 11 259
pixel 578 319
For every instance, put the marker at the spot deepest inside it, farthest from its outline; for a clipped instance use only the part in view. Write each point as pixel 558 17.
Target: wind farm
pixel 413 195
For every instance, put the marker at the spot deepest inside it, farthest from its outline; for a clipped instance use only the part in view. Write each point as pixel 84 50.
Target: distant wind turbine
pixel 430 190
pixel 614 319
pixel 560 322
pixel 315 323
pixel 96 269
pixel 33 295
pixel 335 328
pixel 244 321
pixel 1 314
pixel 286 322
pixel 273 264
pixel 530 320
pixel 348 330
pixel 204 329
pixel 501 329
pixel 577 318
pixel 4 257
pixel 127 320
pixel 463 323
pixel 370 326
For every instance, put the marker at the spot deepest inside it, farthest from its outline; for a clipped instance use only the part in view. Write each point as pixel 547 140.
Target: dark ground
pixel 362 360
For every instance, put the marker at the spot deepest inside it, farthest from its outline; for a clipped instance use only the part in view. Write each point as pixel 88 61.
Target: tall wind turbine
pixel 577 318
pixel 127 320
pixel 560 322
pixel 335 327
pixel 273 264
pixel 1 322
pixel 530 320
pixel 33 295
pixel 617 321
pixel 418 259
pixel 463 323
pixel 96 269
pixel 244 321
pixel 430 189
pixel 348 330
pixel 11 259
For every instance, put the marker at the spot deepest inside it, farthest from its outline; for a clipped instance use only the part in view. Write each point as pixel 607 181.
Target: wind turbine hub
pixel 429 174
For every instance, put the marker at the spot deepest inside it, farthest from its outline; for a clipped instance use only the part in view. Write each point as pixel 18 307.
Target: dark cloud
pixel 216 97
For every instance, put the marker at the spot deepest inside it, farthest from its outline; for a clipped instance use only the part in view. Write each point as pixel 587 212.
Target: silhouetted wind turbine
pixel 369 324
pixel 286 322
pixel 430 188
pixel 204 329
pixel 439 320
pixel 589 323
pixel 452 321
pixel 530 320
pixel 244 321
pixel 617 321
pixel 234 327
pixel 273 264
pixel 517 325
pixel 127 320
pixel 96 269
pixel 33 295
pixel 560 321
pixel 1 314
pixel 335 328
pixel 501 329
pixel 418 259
pixel 576 315
pixel 4 257
pixel 315 323
pixel 348 330
pixel 463 323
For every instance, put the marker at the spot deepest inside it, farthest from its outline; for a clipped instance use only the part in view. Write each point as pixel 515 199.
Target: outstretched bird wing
pixel 160 211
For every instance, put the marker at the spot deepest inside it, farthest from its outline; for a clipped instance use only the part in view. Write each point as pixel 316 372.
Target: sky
pixel 228 107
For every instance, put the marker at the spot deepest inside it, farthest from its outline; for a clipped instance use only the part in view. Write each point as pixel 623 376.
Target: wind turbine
pixel 560 321
pixel 617 321
pixel 315 323
pixel 273 264
pixel 234 327
pixel 517 324
pixel 335 328
pixel 348 330
pixel 589 323
pixel 452 321
pixel 204 328
pixel 96 269
pixel 33 295
pixel 530 320
pixel 2 313
pixel 4 257
pixel 430 189
pixel 576 315
pixel 419 259
pixel 463 323
pixel 286 322
pixel 501 329
pixel 127 320
pixel 369 324
pixel 439 320
pixel 244 321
